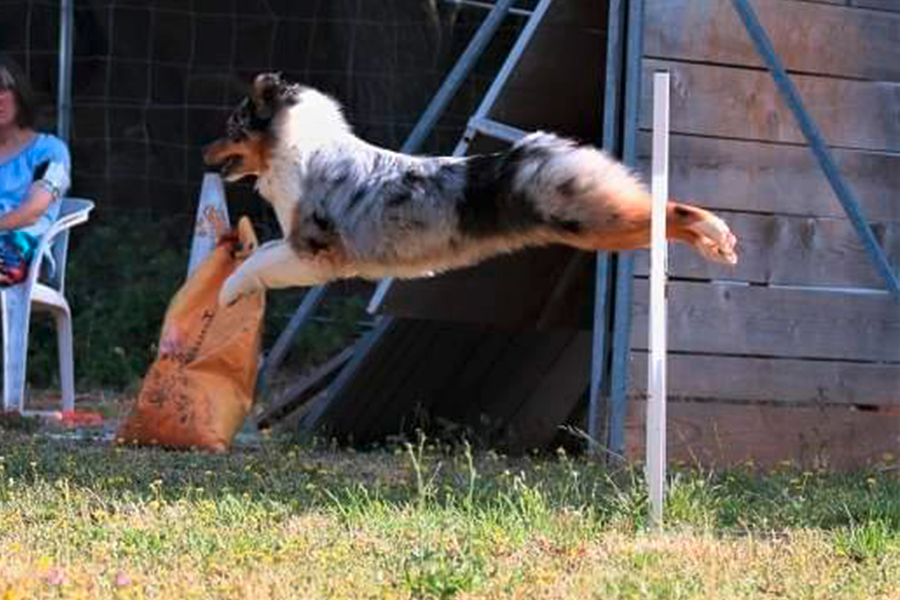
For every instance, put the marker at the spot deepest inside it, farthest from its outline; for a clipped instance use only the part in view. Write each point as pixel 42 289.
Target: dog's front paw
pixel 234 289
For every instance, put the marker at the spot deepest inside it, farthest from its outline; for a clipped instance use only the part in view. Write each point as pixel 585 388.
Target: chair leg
pixel 66 360
pixel 16 309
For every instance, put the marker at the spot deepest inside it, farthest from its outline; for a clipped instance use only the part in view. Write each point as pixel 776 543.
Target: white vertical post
pixel 656 384
pixel 212 219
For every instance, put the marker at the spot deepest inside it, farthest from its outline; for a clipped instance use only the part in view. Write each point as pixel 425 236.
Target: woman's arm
pixel 36 204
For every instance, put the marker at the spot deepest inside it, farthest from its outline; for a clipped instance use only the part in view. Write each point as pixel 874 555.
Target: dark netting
pixel 154 81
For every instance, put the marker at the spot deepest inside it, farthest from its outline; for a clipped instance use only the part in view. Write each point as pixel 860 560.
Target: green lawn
pixel 85 520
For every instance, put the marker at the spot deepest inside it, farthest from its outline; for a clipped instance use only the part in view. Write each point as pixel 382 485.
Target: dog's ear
pixel 264 93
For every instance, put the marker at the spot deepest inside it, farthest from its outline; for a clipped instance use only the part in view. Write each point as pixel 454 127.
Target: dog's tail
pixel 594 202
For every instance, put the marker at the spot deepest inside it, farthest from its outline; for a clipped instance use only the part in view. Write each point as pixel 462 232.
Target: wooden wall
pixel 795 352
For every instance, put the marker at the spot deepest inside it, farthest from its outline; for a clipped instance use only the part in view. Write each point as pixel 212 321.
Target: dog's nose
pixel 207 151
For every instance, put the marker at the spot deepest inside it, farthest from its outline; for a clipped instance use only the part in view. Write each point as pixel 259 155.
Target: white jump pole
pixel 211 222
pixel 656 376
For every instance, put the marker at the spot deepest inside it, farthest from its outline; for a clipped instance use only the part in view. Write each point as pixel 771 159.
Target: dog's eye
pixel 236 128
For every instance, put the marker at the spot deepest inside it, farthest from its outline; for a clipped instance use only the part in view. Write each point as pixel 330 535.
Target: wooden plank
pixel 437 365
pixel 888 5
pixel 579 269
pixel 716 318
pixel 348 398
pixel 772 178
pixel 300 391
pixel 788 251
pixel 809 38
pixel 537 421
pixel 774 380
pixel 467 383
pixel 293 422
pixel 374 394
pixel 508 291
pixel 516 375
pixel 738 103
pixel 720 435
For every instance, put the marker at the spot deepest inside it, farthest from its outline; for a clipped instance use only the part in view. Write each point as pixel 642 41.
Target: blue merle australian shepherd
pixel 350 209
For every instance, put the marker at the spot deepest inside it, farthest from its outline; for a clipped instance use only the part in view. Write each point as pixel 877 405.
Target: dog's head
pixel 247 145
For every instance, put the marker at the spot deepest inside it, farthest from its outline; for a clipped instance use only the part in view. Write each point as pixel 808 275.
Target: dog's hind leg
pixel 626 226
pixel 275 265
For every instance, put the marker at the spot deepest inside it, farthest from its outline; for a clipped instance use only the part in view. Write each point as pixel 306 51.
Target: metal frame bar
pixel 621 343
pixel 311 301
pixel 457 75
pixel 480 116
pixel 313 419
pixel 371 340
pixel 64 93
pixel 597 406
pixel 494 129
pixel 519 12
pixel 436 107
pixel 490 98
pixel 816 143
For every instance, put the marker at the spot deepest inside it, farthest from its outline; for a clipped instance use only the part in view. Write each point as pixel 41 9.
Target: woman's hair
pixel 13 79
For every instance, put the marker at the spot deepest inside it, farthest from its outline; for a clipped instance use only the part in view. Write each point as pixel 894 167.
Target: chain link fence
pixel 153 81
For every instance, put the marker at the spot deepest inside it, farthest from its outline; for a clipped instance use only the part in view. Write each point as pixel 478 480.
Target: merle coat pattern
pixel 351 209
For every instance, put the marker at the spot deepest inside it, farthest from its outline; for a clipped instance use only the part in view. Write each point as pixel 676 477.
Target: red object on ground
pixel 73 418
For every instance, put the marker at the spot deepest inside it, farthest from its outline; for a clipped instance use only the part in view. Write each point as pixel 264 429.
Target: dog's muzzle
pixel 212 154
pixel 216 155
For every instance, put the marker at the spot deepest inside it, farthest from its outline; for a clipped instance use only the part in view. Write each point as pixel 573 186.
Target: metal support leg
pixel 457 75
pixel 621 343
pixel 311 301
pixel 817 145
pixel 443 96
pixel 598 409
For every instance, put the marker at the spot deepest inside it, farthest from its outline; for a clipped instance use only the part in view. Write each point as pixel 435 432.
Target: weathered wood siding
pixel 795 352
pixel 507 387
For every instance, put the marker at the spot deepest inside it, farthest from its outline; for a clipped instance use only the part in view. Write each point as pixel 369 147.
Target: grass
pixel 85 520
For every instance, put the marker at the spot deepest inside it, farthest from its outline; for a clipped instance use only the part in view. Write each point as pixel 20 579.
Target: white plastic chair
pixel 48 294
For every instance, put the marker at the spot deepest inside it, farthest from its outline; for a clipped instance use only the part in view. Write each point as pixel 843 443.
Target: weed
pixel 694 499
pixel 439 574
pixel 863 542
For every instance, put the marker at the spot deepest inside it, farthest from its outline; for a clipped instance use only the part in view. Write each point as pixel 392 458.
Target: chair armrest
pixel 73 212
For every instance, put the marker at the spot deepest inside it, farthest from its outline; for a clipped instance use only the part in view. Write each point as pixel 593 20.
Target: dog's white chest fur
pixel 281 187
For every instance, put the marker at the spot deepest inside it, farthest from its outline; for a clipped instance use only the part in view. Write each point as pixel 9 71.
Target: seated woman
pixel 34 174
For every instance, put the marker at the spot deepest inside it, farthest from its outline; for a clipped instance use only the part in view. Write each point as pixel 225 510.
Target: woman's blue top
pixel 45 160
